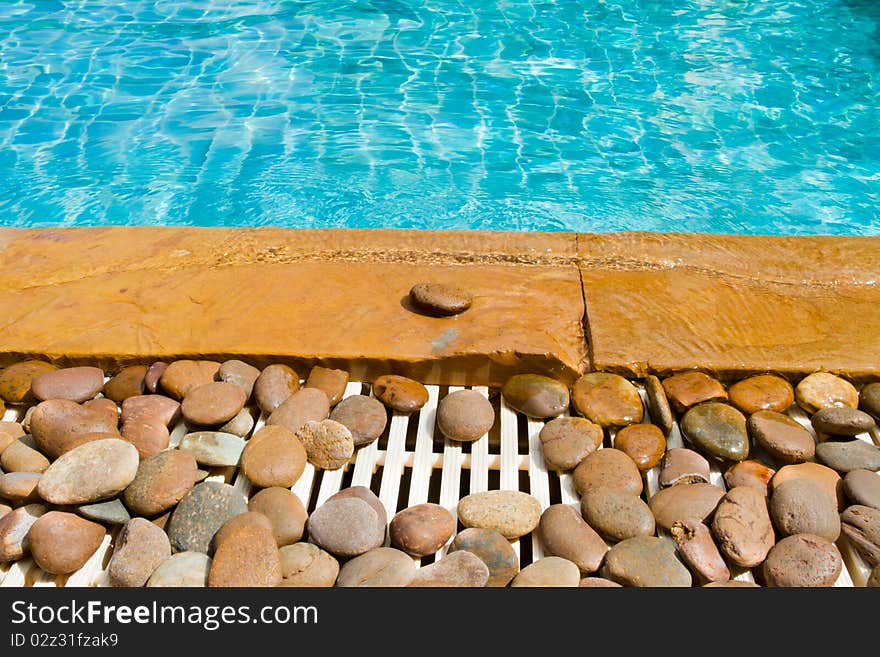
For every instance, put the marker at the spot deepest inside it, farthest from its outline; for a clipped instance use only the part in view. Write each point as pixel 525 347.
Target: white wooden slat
pixel 331 483
pixel 89 574
pixel 17 573
pixel 424 454
pixel 450 481
pixel 392 470
pixel 479 457
pixel 539 481
pixel 509 477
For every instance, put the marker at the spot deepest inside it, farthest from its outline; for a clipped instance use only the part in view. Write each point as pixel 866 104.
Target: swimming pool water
pixel 740 116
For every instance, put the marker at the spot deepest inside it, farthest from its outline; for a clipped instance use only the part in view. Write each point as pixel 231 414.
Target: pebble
pixel 91 472
pixel 140 548
pixel 869 399
pixel 184 569
pixel 494 550
pixel 699 552
pixel 645 444
pixel 381 566
pixel 609 400
pixel 247 555
pixel 328 444
pixel 548 572
pixel 275 385
pixel 213 403
pixel 21 456
pixel 200 513
pixel 239 373
pixel 161 482
pixel 146 431
pixel 181 376
pixel 861 526
pixel 616 514
pixel 842 421
pixel 400 393
pixel 465 415
pixel 421 529
pixel 717 430
pixel 6 439
pixel 862 487
pixel 12 429
pixel 20 487
pixel 331 382
pixel 598 583
pixel 658 404
pixel 847 455
pixel 511 513
pixel 274 456
pixel 815 471
pixel 535 395
pixel 459 569
pixel 679 503
pixel 241 425
pixel 784 439
pixel 732 584
pixel 306 405
pixel 565 534
pixel 76 384
pixel 61 543
pixel 153 375
pixel 742 526
pixel 15 380
pixel 608 468
pixel 4 509
pixel 365 494
pixel 440 299
pixel 645 561
pixel 750 473
pixel 803 560
pixel 56 425
pixel 566 441
pixel 687 389
pixel 105 406
pixel 345 527
pixel 159 408
pixel 111 512
pixel 803 506
pixel 764 392
pixel 305 564
pixel 128 383
pixel 823 390
pixel 364 417
pixel 285 512
pixel 14 528
pixel 243 521
pixel 874 578
pixel 683 466
pixel 213 448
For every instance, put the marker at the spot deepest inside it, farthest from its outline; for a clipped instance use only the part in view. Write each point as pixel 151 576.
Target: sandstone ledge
pixel 654 303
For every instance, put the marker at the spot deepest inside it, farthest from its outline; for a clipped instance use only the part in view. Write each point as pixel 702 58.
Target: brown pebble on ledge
pixel 439 300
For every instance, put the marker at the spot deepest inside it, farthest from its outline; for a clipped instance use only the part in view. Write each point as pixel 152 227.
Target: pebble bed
pixel 199 473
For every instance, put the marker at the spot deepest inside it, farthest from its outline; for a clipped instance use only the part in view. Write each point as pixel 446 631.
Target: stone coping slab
pixel 555 303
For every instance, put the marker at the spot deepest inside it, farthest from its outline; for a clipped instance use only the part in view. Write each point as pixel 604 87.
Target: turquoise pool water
pixel 741 116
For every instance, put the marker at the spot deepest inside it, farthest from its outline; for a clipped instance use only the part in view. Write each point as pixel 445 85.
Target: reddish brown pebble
pixel 74 383
pixel 306 405
pixel 829 479
pixel 154 373
pixel 782 438
pixel 56 425
pixel 565 534
pixel 607 399
pixel 803 560
pixel 331 382
pixel 440 299
pixel 598 583
pixel 274 456
pixel 400 393
pixel 22 456
pixel 608 468
pixel 742 526
pixel 566 441
pixel 750 473
pixel 285 512
pixel 15 380
pixel 643 443
pixel 688 389
pixel 128 383
pixel 421 529
pixel 683 466
pixel 213 403
pixel 238 373
pixel 61 542
pixel 764 392
pixel 246 555
pixel 274 386
pixel 364 416
pixel 684 502
pixel 181 376
pixel 161 482
pixel 698 551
